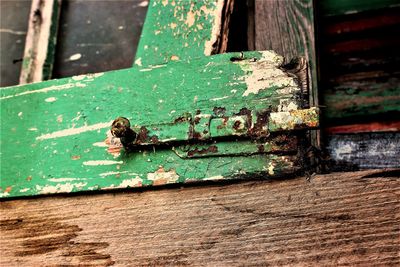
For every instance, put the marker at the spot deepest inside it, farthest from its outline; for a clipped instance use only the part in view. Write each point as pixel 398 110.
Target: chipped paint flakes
pixel 219 98
pixel 161 176
pixel 104 174
pixel 134 182
pixel 100 144
pixel 44 90
pixel 174 58
pixel 143 3
pixel 50 99
pixel 56 180
pixel 271 168
pixel 74 131
pixel 138 62
pixel 87 77
pixel 214 178
pixel 265 73
pixel 75 57
pixel 101 162
pixel 23 190
pixel 59 188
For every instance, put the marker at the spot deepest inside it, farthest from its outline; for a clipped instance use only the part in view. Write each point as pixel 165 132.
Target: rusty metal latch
pixel 197 136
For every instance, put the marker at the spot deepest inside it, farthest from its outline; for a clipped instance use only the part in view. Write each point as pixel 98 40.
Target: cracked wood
pixel 332 220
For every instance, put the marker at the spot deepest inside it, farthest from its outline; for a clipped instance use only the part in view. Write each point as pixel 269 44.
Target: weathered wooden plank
pixel 40 41
pixel 364 150
pixel 340 7
pixel 57 131
pixel 332 220
pixel 287 27
pixel 359 67
pixel 181 29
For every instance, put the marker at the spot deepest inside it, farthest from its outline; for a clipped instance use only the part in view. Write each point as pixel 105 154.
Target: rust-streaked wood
pixel 336 219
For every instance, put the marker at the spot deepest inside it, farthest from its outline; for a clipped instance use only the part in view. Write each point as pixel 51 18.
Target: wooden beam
pixel 287 27
pixel 183 30
pixel 59 130
pixel 40 41
pixel 335 219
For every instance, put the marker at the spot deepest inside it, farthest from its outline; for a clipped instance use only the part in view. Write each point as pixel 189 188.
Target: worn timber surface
pixel 183 30
pixel 55 134
pixel 340 219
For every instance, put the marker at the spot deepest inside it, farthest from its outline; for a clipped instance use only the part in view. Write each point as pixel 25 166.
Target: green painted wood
pixel 182 30
pixel 342 7
pixel 56 138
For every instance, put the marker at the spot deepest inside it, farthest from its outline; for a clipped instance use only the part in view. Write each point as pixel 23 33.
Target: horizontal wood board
pixel 339 219
pixel 55 134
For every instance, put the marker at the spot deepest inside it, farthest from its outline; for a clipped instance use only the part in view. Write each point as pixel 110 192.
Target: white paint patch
pixel 20 114
pixel 104 174
pixel 143 3
pixel 345 150
pixel 100 144
pixel 138 61
pixel 287 105
pixel 74 131
pixel 65 179
pixel 75 57
pixel 101 162
pixel 33 129
pixel 120 27
pixel 219 98
pixel 50 99
pixel 168 176
pixel 264 75
pixel 214 178
pixel 60 188
pixel 45 90
pixel 167 139
pixel 24 190
pixel 130 183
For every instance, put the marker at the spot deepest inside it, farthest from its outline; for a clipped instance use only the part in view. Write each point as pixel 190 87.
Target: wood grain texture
pixel 287 27
pixel 336 219
pixel 365 150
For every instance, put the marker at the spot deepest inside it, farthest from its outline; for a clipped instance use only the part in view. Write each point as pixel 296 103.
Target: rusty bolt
pixel 121 128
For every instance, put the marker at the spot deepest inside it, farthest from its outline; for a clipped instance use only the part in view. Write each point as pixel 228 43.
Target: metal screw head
pixel 120 127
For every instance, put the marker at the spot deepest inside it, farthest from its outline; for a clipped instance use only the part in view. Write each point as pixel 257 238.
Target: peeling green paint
pixel 179 30
pixel 56 138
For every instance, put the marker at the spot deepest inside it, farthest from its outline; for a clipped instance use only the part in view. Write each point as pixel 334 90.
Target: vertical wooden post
pixel 40 41
pixel 287 27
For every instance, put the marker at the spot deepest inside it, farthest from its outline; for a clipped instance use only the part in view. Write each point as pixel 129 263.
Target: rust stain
pixel 219 111
pixel 211 149
pixel 29 178
pixel 75 157
pixel 8 189
pixel 142 135
pixel 154 139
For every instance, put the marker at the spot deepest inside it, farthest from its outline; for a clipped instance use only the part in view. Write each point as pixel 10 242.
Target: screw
pixel 121 128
